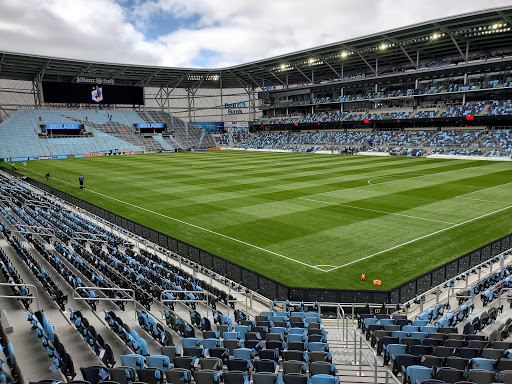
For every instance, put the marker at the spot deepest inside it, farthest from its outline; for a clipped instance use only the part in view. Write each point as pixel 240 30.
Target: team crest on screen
pixel 97 94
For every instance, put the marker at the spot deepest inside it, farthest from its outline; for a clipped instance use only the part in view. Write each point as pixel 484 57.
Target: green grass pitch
pixel 304 219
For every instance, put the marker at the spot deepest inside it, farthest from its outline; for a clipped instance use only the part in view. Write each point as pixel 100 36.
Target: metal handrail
pixel 36 297
pixel 388 375
pixel 362 340
pixel 246 300
pixel 442 285
pixel 361 355
pixel 163 301
pixel 129 298
pixel 504 290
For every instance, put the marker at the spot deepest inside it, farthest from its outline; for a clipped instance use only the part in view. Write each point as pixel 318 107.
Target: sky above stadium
pixel 204 33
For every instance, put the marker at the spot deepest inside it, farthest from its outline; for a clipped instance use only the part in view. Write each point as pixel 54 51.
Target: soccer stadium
pixel 339 214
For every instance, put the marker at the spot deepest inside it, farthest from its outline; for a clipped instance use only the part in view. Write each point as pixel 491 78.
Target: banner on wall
pixel 211 126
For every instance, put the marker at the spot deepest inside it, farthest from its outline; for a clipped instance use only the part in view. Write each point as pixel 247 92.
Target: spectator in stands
pixel 47 176
pixel 81 180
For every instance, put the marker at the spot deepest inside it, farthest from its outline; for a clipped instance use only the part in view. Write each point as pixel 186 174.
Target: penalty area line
pixel 375 210
pixel 192 225
pixel 419 238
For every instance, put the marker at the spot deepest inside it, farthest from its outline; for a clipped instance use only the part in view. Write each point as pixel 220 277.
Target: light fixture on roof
pixel 495 26
pixel 311 61
pixel 344 54
pixel 383 46
pixel 283 66
pixel 435 36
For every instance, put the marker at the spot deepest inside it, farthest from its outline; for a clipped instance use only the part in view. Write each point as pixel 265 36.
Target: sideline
pixel 190 224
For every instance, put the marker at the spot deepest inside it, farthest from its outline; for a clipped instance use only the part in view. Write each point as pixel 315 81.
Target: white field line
pixel 192 225
pixel 375 210
pixel 385 182
pixel 396 174
pixel 485 189
pixel 419 238
pixel 488 201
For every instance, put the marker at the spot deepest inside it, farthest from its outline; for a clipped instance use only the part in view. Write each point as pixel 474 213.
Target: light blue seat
pixel 211 343
pixel 393 350
pixel 420 323
pixel 428 328
pixel 385 322
pixel 410 328
pixel 482 363
pixel 242 330
pixel 399 334
pixel 416 374
pixel 142 347
pixel 158 361
pixel 296 337
pixel 324 379
pixel 244 353
pixel 419 335
pixel 297 331
pixel 230 335
pixel 189 342
pixel 370 321
pixel 132 360
pixel 318 347
pixel 282 330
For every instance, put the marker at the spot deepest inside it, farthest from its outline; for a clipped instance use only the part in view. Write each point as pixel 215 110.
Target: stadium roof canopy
pixel 471 36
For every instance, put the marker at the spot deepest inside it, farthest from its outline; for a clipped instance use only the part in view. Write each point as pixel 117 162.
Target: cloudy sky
pixel 204 33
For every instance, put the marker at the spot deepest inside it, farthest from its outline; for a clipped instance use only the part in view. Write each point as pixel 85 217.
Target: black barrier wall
pixel 273 289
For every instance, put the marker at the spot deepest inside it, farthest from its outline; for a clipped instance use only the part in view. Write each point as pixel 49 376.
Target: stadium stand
pixel 108 132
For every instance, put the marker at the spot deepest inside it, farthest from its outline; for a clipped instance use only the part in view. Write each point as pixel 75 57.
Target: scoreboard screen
pixel 74 93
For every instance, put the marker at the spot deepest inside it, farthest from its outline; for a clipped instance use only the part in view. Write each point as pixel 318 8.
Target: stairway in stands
pixel 354 368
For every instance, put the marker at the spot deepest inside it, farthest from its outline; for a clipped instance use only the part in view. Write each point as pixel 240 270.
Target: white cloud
pixel 232 32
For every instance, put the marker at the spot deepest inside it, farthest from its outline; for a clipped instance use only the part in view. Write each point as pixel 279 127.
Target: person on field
pixel 25 165
pixel 81 180
pixel 47 176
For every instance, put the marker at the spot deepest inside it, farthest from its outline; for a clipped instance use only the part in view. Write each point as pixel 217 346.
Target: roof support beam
pixel 394 41
pixel 145 82
pixel 120 72
pixel 278 79
pixel 332 68
pixel 1 61
pixel 367 63
pixel 83 71
pixel 505 17
pixel 243 84
pixel 303 74
pixel 40 75
pixel 179 80
pixel 255 83
pixel 448 32
pixel 203 78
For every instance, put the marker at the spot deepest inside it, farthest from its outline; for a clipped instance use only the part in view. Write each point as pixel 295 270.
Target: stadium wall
pixel 273 289
pixel 199 105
